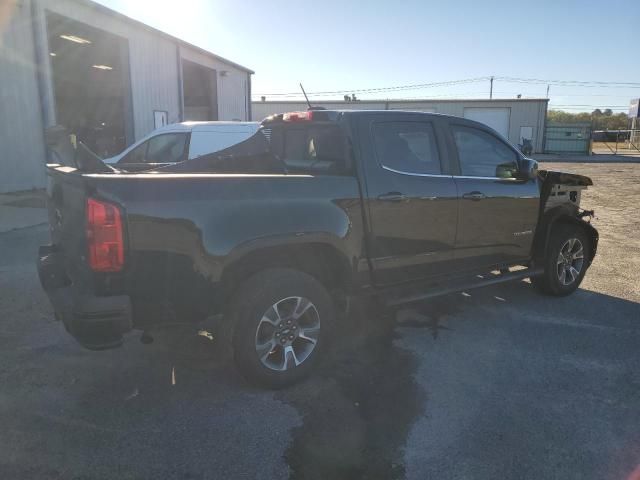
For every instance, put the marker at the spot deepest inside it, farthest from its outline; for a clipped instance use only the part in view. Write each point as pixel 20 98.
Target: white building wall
pixel 523 113
pixel 21 133
pixel 233 85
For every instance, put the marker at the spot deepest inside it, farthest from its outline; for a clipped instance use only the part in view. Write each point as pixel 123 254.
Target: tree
pixel 599 120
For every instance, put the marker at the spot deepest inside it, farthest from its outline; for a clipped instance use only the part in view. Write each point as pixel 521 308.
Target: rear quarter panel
pixel 183 230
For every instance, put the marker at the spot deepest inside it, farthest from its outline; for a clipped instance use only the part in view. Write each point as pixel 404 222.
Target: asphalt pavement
pixel 498 383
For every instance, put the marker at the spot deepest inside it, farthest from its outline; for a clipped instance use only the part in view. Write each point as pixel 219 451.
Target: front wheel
pixel 281 319
pixel 565 263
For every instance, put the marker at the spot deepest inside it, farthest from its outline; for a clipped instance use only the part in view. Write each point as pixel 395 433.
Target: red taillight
pixel 104 236
pixel 298 116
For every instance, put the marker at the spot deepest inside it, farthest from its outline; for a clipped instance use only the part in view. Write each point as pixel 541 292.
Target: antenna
pixel 305 97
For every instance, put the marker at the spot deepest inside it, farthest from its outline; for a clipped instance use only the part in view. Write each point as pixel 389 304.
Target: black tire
pixel 551 282
pixel 254 301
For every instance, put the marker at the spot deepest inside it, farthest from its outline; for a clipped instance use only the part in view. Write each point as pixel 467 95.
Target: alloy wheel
pixel 570 261
pixel 287 333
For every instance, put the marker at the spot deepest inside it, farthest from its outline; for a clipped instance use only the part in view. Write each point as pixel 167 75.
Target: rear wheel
pixel 565 263
pixel 281 319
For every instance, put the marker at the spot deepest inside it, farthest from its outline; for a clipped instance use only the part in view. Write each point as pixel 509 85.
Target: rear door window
pixel 315 149
pixel 407 147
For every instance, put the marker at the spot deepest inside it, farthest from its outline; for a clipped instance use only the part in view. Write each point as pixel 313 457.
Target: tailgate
pixel 97 318
pixel 66 200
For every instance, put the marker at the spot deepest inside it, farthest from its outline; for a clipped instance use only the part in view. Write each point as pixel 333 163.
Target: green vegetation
pixel 600 119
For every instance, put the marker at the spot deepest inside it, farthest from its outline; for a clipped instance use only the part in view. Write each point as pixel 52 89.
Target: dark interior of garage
pixel 91 84
pixel 199 85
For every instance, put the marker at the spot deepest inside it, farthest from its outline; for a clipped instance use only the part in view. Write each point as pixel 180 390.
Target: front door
pixel 410 194
pixel 497 211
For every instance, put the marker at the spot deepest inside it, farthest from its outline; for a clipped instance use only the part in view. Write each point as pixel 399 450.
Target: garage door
pixel 494 117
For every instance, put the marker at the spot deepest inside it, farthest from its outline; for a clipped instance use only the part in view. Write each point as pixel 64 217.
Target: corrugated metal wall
pixel 568 138
pixel 27 97
pixel 21 137
pixel 233 88
pixel 523 113
pixel 152 58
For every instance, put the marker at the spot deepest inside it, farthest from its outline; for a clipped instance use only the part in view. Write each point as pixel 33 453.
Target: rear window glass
pixel 313 149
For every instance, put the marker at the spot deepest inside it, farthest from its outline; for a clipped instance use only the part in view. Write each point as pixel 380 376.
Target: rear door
pixel 497 211
pixel 410 194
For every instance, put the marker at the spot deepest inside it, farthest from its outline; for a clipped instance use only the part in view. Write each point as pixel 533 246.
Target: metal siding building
pixel 511 117
pixel 153 70
pixel 21 132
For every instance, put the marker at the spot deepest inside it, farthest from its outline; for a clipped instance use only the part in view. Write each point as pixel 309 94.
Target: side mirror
pixel 528 169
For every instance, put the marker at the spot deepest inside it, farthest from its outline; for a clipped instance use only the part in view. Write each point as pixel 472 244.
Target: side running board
pixel 459 286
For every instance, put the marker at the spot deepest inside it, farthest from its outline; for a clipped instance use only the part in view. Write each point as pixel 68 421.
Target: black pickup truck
pixel 276 233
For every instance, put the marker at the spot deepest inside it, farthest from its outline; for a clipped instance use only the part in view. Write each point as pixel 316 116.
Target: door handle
pixel 474 196
pixel 393 197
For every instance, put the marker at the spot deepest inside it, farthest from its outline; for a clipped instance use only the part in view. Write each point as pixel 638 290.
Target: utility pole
pixel 491 88
pixel 547 92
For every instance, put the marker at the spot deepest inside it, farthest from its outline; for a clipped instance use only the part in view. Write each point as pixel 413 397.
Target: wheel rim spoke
pixel 266 319
pixel 290 354
pixel 574 273
pixel 287 333
pixel 309 334
pixel 266 349
pixel 274 307
pixel 302 307
pixel 563 275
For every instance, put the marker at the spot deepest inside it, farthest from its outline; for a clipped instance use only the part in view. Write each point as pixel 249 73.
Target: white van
pixel 181 141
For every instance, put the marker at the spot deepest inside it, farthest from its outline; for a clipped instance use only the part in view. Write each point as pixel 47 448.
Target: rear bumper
pixel 97 323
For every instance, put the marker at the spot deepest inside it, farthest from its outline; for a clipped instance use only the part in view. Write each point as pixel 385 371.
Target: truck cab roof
pixel 320 115
pixel 204 126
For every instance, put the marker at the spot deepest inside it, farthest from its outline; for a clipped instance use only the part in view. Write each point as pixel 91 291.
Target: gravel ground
pixel 503 383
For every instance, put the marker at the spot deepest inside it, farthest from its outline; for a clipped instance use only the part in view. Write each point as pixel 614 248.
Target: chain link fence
pixel 616 142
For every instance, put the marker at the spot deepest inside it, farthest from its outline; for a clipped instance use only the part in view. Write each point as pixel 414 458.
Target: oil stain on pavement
pixel 358 411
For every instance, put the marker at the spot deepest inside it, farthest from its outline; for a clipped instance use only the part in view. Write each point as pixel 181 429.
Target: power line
pixel 419 86
pixel 383 89
pixel 571 82
pixel 459 95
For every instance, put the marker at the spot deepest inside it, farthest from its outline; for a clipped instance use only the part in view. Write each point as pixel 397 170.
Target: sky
pixel 342 46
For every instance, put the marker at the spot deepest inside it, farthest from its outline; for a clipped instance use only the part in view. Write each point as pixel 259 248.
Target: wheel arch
pixel 323 261
pixel 552 220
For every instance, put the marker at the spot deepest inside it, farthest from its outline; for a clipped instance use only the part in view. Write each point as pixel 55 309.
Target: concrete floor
pixel 504 383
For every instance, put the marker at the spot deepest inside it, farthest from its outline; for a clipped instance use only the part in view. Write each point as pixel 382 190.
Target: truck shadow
pixel 357 411
pixel 358 414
